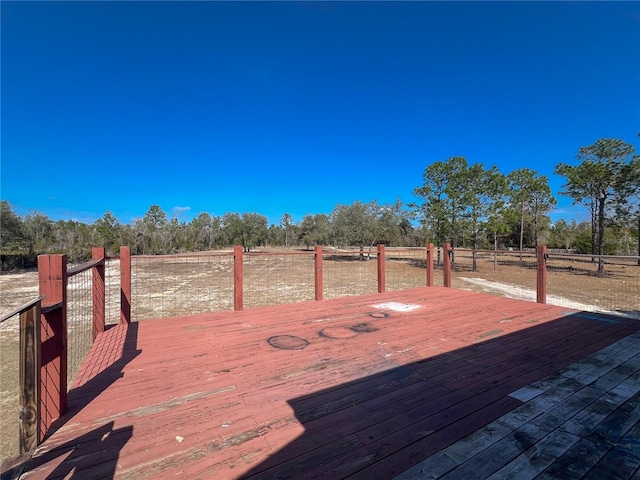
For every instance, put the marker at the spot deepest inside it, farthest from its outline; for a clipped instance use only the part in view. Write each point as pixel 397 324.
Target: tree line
pixel 468 205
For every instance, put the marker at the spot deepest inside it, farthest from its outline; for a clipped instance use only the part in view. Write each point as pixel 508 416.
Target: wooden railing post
pixel 98 290
pixel 237 277
pixel 317 261
pixel 381 271
pixel 30 378
pixel 446 264
pixel 52 273
pixel 541 280
pixel 125 284
pixel 430 265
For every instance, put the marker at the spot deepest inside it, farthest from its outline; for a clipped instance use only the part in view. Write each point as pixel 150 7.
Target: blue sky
pixel 295 107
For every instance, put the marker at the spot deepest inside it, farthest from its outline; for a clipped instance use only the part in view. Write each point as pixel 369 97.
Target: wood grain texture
pixel 29 428
pixel 208 396
pixel 125 284
pixel 98 292
pixel 52 274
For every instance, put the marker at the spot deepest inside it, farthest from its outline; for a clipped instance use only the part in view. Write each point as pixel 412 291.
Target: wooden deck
pixel 464 386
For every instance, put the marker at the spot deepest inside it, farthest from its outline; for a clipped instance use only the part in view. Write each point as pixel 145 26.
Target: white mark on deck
pixel 397 307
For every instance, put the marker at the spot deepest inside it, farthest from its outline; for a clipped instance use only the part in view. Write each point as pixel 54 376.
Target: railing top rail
pixel 499 251
pixel 371 254
pixel 352 250
pixel 404 253
pixel 590 255
pixel 273 254
pixel 184 255
pixel 84 266
pixel 22 308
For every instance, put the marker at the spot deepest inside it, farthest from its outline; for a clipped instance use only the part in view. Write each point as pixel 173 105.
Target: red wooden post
pixel 237 278
pixel 446 264
pixel 318 272
pixel 52 274
pixel 541 281
pixel 97 286
pixel 125 284
pixel 430 265
pixel 381 272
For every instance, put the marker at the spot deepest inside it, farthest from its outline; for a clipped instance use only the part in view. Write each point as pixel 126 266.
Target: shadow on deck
pixel 464 384
pixel 106 362
pixel 381 425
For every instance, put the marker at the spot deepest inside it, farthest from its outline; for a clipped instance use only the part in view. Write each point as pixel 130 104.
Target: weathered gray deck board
pixel 582 422
pixel 536 458
pixel 622 460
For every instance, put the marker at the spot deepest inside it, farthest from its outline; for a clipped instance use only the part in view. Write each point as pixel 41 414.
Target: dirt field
pixel 172 286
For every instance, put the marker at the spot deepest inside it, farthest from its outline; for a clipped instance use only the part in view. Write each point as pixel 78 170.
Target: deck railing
pixel 176 285
pixel 615 290
pixel 191 283
pixel 185 284
pixel 511 272
pixel 55 334
pixel 156 286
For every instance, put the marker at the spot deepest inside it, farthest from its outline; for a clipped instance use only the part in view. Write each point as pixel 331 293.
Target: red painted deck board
pixel 208 396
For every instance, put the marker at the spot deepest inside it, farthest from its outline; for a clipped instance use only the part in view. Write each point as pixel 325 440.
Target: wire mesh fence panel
pixel 112 291
pixel 349 273
pixel 573 281
pixel 405 268
pixel 79 321
pixel 438 273
pixel 501 272
pixel 274 279
pixel 10 384
pixel 169 286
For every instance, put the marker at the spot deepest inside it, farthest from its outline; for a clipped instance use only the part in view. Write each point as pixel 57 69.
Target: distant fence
pixel 173 285
pixel 569 279
pixel 177 285
pixel 185 284
pixel 574 281
pixel 501 272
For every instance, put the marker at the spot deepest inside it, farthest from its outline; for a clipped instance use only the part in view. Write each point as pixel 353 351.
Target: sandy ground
pixel 523 293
